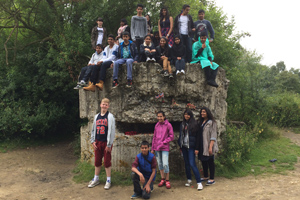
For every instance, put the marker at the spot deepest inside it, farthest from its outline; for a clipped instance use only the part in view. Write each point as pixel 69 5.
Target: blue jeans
pixel 162 158
pixel 121 61
pixel 189 161
pixel 187 42
pixel 180 64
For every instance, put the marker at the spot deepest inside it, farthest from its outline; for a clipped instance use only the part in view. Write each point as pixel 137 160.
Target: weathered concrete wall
pixel 138 105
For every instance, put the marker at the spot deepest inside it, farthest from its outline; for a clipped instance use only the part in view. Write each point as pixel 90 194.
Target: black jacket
pixel 159 54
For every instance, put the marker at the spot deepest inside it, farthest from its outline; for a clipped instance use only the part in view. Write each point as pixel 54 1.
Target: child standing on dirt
pixel 143 171
pixel 163 135
pixel 187 142
pixel 102 137
pixel 206 145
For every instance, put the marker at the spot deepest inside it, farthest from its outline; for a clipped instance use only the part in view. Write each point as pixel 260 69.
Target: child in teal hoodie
pixel 202 54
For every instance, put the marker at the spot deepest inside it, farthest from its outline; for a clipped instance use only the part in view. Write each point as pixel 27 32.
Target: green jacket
pixel 203 58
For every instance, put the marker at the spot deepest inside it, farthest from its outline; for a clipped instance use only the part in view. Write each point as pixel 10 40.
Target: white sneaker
pixel 148 59
pixel 83 83
pixel 200 186
pixel 182 71
pixel 177 72
pixel 188 183
pixel 93 183
pixel 153 60
pixel 107 185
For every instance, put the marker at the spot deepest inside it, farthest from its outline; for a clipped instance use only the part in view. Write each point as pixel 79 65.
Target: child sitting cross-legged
pixel 144 172
pixel 147 50
pixel 202 54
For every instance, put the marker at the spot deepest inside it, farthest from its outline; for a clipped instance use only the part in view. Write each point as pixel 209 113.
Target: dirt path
pixel 45 173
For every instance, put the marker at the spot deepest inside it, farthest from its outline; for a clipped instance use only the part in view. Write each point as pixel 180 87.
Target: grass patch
pixel 280 148
pixel 84 172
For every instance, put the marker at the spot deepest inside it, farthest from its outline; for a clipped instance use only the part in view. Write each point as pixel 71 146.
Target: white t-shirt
pixel 183 24
pixel 100 35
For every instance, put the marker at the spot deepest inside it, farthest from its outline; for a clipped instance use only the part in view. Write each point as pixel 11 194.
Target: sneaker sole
pixel 210 184
pixel 91 186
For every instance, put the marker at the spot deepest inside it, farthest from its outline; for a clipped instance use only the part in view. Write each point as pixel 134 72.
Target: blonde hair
pixel 105 100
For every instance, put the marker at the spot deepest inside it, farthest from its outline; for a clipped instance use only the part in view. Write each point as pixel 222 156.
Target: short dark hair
pixel 201 11
pixel 145 143
pixel 100 45
pixel 100 19
pixel 140 5
pixel 185 6
pixel 111 36
pixel 125 33
pixel 203 34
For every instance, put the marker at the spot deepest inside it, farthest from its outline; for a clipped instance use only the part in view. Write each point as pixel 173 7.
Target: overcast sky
pixel 273 25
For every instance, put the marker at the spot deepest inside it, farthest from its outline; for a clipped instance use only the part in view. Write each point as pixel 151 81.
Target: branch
pixel 5 47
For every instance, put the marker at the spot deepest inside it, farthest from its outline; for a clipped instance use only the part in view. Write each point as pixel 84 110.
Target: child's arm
pixel 171 27
pixel 153 166
pixel 213 137
pixel 135 170
pixel 170 135
pixel 159 29
pixel 147 186
pixel 211 31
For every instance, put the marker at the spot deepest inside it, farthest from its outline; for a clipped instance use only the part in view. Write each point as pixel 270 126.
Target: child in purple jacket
pixel 163 135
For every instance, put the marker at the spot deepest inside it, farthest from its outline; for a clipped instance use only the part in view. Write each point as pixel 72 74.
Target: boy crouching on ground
pixel 102 137
pixel 144 171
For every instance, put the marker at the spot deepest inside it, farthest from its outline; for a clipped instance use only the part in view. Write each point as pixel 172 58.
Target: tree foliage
pixel 46 43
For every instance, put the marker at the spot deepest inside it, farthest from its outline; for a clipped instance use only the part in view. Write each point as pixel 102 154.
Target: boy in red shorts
pixel 102 137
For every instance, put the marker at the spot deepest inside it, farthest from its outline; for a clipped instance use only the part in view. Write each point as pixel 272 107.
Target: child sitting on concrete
pixel 87 70
pixel 143 171
pixel 202 54
pixel 147 50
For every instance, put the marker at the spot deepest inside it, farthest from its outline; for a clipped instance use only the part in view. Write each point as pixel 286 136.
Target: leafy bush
pixel 283 109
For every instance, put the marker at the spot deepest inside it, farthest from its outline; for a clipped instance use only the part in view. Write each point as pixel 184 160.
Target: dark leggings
pixel 209 163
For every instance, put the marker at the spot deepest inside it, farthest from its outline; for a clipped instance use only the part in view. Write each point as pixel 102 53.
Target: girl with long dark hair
pixel 206 145
pixel 187 142
pixel 165 25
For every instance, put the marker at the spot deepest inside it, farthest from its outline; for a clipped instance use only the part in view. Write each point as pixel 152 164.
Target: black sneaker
pixel 129 83
pixel 115 83
pixel 171 76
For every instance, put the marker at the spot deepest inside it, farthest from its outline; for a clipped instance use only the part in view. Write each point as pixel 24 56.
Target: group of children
pixel 173 44
pixel 196 137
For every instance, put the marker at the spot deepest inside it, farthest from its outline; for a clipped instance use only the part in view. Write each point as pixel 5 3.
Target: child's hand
pixel 107 149
pixel 134 61
pixel 112 65
pixel 152 152
pixel 210 151
pixel 178 58
pixel 94 145
pixel 211 63
pixel 196 152
pixel 147 49
pixel 203 46
pixel 147 188
pixel 162 57
pixel 89 64
pixel 142 179
pixel 99 63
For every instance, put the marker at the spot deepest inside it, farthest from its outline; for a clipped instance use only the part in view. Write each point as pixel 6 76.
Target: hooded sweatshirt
pixel 163 134
pixel 205 56
pixel 178 50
